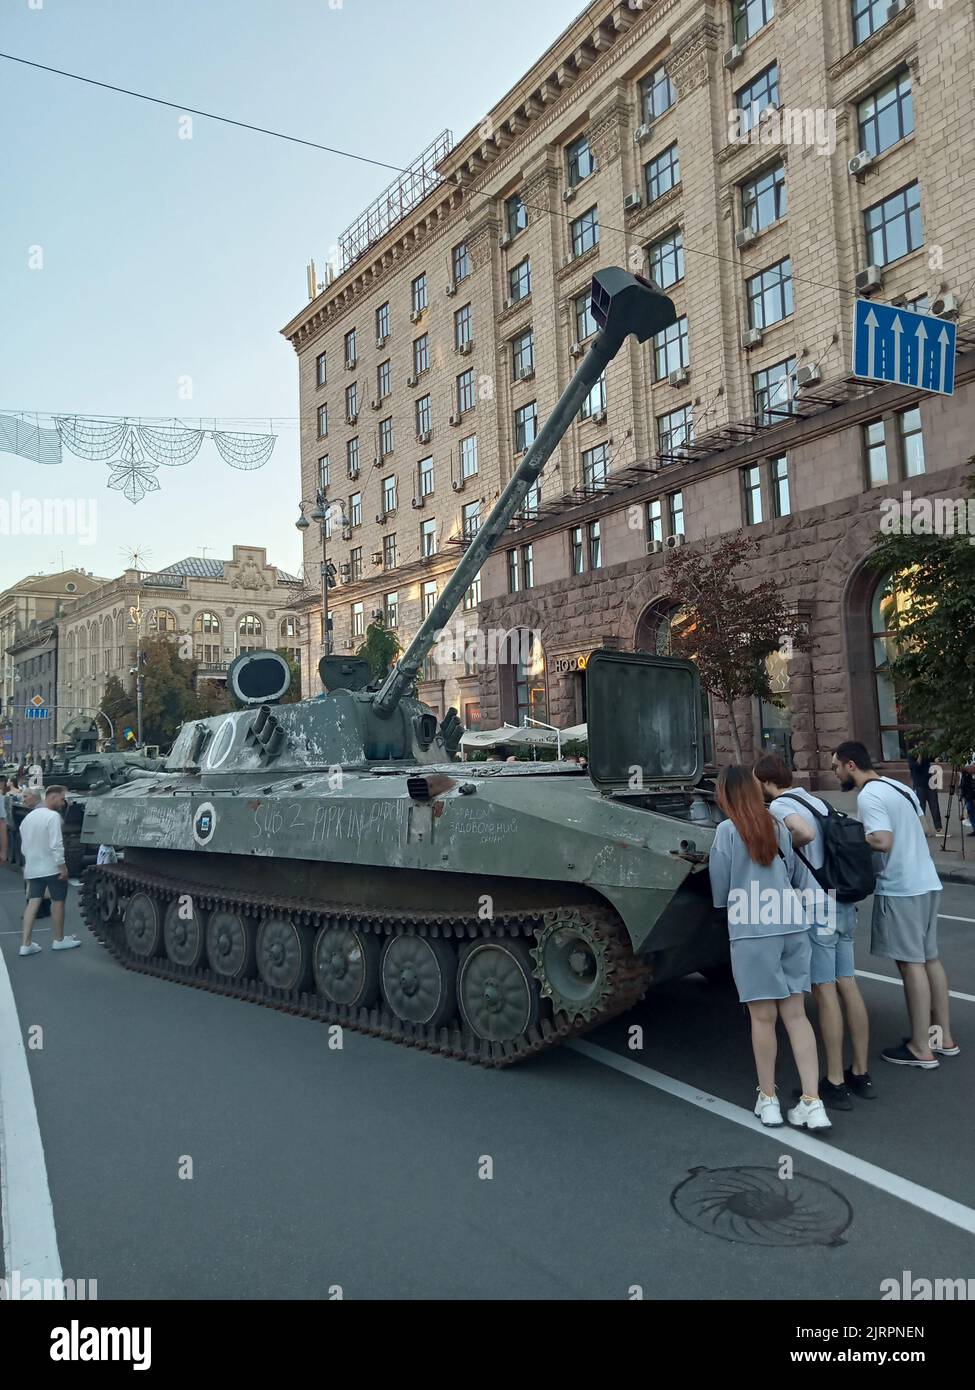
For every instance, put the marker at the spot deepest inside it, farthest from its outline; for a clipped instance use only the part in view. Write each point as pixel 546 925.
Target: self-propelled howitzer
pixel 333 858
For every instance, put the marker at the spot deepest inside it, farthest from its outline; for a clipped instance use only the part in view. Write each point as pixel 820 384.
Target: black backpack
pixel 847 859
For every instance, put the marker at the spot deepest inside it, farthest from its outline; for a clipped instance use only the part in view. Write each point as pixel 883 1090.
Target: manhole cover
pixel 754 1206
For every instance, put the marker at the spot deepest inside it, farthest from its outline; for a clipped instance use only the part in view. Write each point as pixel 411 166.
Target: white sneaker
pixel 811 1113
pixel 767 1110
pixel 66 944
pixel 30 950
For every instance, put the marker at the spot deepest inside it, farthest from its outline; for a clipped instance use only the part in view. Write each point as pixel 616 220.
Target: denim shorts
pixel 771 967
pixel 832 951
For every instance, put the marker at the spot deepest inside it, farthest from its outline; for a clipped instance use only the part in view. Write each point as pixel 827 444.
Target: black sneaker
pixel 903 1057
pixel 861 1085
pixel 834 1097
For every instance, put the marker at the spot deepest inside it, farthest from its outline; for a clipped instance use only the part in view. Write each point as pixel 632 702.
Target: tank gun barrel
pixel 621 304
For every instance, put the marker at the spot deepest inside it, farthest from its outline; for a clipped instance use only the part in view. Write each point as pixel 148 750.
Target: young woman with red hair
pixel 753 873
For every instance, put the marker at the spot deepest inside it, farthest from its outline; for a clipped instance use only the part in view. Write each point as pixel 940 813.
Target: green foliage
pixel 934 672
pixel 119 705
pixel 294 690
pixel 168 696
pixel 380 648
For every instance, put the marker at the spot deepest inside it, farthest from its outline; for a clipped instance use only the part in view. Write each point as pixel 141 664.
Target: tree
pixel 934 670
pixel 727 630
pixel 294 690
pixel 380 648
pixel 119 705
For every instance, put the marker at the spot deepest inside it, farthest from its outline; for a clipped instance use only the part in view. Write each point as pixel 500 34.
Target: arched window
pixel 71 648
pixel 250 633
pixel 889 599
pixel 120 640
pixel 107 630
pixel 160 622
pixel 653 635
pixel 523 693
pixel 206 638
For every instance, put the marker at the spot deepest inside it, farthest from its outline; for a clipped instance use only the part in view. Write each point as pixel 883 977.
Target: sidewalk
pixel 955 863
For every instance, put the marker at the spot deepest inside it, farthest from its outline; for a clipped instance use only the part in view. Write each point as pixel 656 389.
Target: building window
pixel 875 453
pixel 250 633
pixel 526 425
pixel 384 379
pixel 465 391
pixel 352 402
pixel 595 546
pixel 886 115
pixel 472 597
pixel 579 161
pixel 520 280
pixel 418 294
pixel 327 525
pixel 528 566
pixel 751 481
pixel 655 521
pixel 428 538
pixel 532 502
pixel 426 477
pixel 352 457
pixel 461 261
pixel 912 442
pixel 324 472
pixel 770 295
pixel 322 420
pixel 585 232
pixel 421 354
pixel 671 350
pixel 662 173
pixel 389 551
pixel 757 96
pixel 463 330
pixel 515 216
pixel 382 322
pixel 595 467
pixel 779 485
pixel 773 391
pixel 389 494
pixel 889 602
pixel 468 456
pixel 385 436
pixel 351 357
pixel 321 368
pixel 514 572
pixel 675 506
pixel 675 430
pixel 471 520
pixel 868 17
pixel 595 402
pixel 423 415
pixel 391 610
pixel 657 94
pixel 355 509
pixel 522 355
pixel 764 199
pixel 159 623
pixel 523 691
pixel 206 638
pixel 428 598
pixel 358 620
pixel 748 16
pixel 893 227
pixel 666 258
pixel 585 323
pixel 355 563
pixel 576 550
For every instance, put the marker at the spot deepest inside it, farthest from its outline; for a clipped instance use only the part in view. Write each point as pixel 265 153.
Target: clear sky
pixel 168 258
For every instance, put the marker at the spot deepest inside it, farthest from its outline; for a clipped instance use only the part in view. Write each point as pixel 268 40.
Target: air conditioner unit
pixel 870 279
pixel 467 348
pixel 423 437
pixel 350 363
pixel 734 56
pixel 654 547
pixel 375 402
pixel 458 484
pixel 346 533
pixel 416 315
pixel 631 201
pixel 381 342
pixel 599 418
pixel 680 376
pixel 672 542
pixel 345 570
pixel 504 240
pixel 381 518
pixel 895 7
pixel 859 162
pixel 455 419
pixel 568 195
pixel 527 376
pixel 377 557
pixel 808 376
pixel 751 337
pixel 567 260
pixel 451 290
pixel 377 613
pixel 418 502
pixel 745 237
pixel 642 132
pixel 352 419
pixel 576 350
pixel 509 303
pixel 412 379
pixel 946 306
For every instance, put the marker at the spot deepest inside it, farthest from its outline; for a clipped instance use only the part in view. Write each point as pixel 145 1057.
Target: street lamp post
pixel 322 512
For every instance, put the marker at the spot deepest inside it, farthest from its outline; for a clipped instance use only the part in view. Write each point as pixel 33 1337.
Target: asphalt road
pixel 361 1169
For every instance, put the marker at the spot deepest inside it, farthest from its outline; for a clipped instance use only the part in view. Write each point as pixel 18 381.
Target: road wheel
pixel 230 945
pixel 497 993
pixel 106 897
pixel 284 954
pixel 419 979
pixel 184 933
pixel 144 926
pixel 346 963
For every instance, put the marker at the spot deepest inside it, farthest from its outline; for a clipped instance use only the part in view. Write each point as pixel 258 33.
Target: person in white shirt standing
pixel 905 904
pixel 42 846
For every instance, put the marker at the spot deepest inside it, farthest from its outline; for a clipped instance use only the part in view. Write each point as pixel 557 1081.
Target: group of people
pixel 792 933
pixel 45 870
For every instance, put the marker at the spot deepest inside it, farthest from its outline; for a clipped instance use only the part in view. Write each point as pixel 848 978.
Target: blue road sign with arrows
pixel 899 346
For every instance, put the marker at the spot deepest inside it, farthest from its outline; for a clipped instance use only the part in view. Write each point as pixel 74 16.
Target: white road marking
pixel 30 1242
pixel 894 980
pixel 894 1186
pixel 946 917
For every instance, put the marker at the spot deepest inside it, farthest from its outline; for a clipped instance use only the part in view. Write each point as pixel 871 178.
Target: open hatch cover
pixel 644 717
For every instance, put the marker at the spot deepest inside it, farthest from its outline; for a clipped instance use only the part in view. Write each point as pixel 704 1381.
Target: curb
pixel 957 876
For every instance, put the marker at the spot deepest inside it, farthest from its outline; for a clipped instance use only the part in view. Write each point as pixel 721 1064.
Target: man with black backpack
pixel 832 972
pixel 905 904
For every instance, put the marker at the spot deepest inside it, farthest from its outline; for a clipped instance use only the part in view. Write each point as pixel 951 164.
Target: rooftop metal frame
pixel 395 202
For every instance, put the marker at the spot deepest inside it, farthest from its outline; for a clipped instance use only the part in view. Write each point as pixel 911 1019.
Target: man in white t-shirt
pixel 905 904
pixel 832 971
pixel 42 845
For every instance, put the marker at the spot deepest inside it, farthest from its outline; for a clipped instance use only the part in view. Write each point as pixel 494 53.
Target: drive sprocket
pixel 573 964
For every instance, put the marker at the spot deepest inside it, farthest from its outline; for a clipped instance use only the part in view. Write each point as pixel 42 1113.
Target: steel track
pixel 627 976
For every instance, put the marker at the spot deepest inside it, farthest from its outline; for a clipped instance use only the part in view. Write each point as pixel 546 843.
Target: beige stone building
pixel 222 608
pixel 766 161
